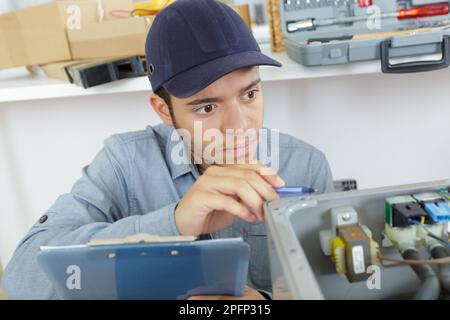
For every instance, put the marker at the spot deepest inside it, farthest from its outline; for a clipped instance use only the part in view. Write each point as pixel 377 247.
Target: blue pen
pixel 295 190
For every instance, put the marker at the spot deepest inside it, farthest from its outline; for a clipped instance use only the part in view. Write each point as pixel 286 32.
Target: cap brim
pixel 191 81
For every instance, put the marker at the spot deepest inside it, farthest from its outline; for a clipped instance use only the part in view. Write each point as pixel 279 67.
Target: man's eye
pixel 206 109
pixel 251 94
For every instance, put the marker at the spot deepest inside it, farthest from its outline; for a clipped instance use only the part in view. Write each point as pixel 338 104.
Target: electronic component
pixel 339 217
pixel 345 184
pixel 412 219
pixel 400 210
pixel 445 193
pixel 357 251
pixel 393 200
pixel 403 213
pixel 343 216
pixel 349 244
pixel 349 225
pixel 398 228
pixel 437 207
pixel 338 254
pixel 326 238
pixel 439 211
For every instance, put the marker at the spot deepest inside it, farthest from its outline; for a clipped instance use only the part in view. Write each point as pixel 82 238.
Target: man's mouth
pixel 241 149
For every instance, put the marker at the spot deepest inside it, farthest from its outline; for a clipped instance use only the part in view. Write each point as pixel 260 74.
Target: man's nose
pixel 235 117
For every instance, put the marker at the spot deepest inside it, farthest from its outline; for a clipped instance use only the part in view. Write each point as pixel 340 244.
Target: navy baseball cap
pixel 192 43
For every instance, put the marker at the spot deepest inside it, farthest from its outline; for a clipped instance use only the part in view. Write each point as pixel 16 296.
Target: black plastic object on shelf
pixel 92 74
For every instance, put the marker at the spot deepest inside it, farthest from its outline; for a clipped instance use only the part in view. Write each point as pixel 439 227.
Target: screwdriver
pixel 295 190
pixel 428 10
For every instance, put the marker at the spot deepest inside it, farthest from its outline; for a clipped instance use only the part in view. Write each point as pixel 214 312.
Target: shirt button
pixel 43 218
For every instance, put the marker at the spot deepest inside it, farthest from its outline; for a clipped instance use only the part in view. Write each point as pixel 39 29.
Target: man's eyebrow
pixel 219 99
pixel 204 100
pixel 254 83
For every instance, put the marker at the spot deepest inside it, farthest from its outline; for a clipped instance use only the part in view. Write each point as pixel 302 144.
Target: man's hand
pixel 223 194
pixel 249 294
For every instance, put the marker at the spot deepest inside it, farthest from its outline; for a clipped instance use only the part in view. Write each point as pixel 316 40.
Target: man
pixel 203 67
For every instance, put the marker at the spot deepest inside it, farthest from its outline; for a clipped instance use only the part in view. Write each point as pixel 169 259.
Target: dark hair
pixel 165 95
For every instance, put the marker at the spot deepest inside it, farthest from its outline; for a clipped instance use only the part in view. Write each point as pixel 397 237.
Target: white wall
pixel 5 6
pixel 11 5
pixel 381 130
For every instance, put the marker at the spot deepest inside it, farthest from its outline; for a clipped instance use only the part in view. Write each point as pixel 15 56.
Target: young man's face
pixel 231 106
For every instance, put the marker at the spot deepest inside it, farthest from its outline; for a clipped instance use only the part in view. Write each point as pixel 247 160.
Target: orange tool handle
pixel 429 10
pixel 365 3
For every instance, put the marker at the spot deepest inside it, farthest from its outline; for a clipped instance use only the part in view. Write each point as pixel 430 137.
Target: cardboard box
pixel 244 12
pixel 47 33
pixel 56 70
pixel 113 38
pixel 37 34
pixel 111 8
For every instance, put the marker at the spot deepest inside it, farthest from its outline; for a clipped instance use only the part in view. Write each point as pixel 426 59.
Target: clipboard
pixel 146 267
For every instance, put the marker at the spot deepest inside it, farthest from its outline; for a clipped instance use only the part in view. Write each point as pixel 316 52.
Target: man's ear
pixel 161 108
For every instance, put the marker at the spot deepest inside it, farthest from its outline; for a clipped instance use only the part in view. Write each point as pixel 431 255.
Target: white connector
pixel 325 237
pixel 427 196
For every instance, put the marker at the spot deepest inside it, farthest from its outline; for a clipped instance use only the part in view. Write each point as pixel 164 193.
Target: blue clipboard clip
pixel 295 190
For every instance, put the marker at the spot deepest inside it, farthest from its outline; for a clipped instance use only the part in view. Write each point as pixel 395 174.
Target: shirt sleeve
pixel 322 178
pixel 98 206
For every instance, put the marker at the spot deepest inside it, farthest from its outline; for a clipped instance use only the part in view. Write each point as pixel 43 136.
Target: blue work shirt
pixel 133 186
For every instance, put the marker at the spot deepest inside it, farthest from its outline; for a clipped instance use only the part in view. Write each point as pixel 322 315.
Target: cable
pixel 428 233
pixel 400 262
pixel 439 252
pixel 430 288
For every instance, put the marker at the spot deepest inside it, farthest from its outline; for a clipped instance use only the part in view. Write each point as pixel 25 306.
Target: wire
pixel 400 262
pixel 439 239
pixel 424 229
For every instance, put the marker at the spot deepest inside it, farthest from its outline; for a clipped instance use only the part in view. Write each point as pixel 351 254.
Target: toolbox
pixel 325 32
pixel 303 252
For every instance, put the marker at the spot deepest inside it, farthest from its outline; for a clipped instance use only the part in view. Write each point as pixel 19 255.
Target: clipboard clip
pixel 140 238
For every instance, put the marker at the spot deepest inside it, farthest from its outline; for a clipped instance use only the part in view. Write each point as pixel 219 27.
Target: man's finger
pixel 265 189
pixel 233 185
pixel 267 173
pixel 223 202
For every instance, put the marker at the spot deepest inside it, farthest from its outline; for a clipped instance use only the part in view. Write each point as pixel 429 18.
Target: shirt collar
pixel 179 169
